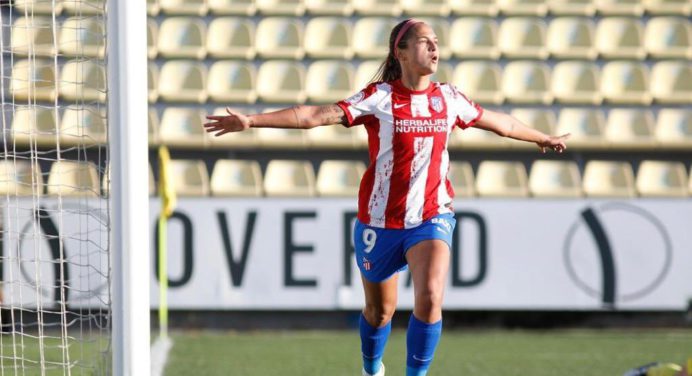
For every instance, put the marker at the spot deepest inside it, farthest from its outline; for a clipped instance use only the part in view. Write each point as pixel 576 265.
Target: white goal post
pixel 127 117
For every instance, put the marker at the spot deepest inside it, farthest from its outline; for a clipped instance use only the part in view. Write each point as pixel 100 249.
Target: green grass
pixel 471 352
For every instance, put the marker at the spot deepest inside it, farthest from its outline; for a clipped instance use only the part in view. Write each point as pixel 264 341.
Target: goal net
pixel 55 269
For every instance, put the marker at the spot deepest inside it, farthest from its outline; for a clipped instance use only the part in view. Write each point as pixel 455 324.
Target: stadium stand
pixel 279 38
pixel 501 179
pixel 620 7
pixel 572 7
pixel 183 81
pixel 42 73
pixel 608 179
pixel 328 37
pixel 571 38
pixel 32 35
pixel 83 8
pixel 377 7
pixel 153 127
pixel 662 179
pixel 152 39
pixel 668 37
pixel 585 126
pixel 329 7
pixel 190 177
pixel 461 177
pixel 83 126
pixel 372 34
pixel 236 178
pixel 184 7
pixel 620 38
pixel 526 82
pixel 474 37
pixel 671 82
pixel 523 37
pixel 39 6
pixel 339 178
pixel 674 128
pixel 419 8
pixel 182 37
pixel 231 38
pixel 72 178
pixel 20 178
pixel 332 137
pixel 232 7
pixel 630 128
pixel 232 81
pixel 81 36
pixel 555 179
pixel 153 83
pixel 281 82
pixel 83 81
pixel 329 81
pixel 280 7
pixel 487 8
pixel 182 127
pixel 480 80
pixel 576 82
pixel 677 7
pixel 285 178
pixel 625 82
pixel 34 125
pixel 523 7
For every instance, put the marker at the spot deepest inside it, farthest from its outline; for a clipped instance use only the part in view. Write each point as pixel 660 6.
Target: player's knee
pixel 378 315
pixel 429 302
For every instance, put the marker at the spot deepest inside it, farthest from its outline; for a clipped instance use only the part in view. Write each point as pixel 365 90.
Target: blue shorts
pixel 380 252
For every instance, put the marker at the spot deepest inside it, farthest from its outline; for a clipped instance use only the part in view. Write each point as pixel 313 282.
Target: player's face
pixel 421 54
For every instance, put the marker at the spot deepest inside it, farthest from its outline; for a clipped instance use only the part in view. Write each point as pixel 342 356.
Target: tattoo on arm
pixel 331 114
pixel 295 113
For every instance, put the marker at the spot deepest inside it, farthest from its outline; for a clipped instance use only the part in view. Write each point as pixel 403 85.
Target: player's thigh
pixel 428 263
pixel 381 294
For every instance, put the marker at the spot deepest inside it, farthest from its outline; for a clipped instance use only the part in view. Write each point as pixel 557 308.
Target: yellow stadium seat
pixel 625 82
pixel 444 73
pixel 523 7
pixel 371 37
pixel 153 7
pixel 501 179
pixel 183 127
pixel 328 37
pixel 231 37
pixel 677 7
pixel 332 136
pixel 526 82
pixel 461 178
pixel 571 38
pixel 329 7
pixel 523 37
pixel 83 81
pixel 630 128
pixel 671 82
pixel 33 80
pixel 152 38
pixel 284 138
pixel 477 139
pixel 236 178
pixel 280 7
pixel 83 126
pixel 244 140
pixel 190 177
pixel 668 37
pixel 480 81
pixel 662 179
pixel 284 178
pixel 153 82
pixel 232 81
pixel 555 179
pixel 586 126
pixel 38 6
pixel 329 81
pixel 232 7
pixel 81 36
pixel 84 7
pixel 184 7
pixel 486 8
pixel 20 177
pixel 418 8
pixel 377 7
pixel 572 7
pixel 608 179
pixel 33 36
pixel 620 7
pixel 281 82
pixel 73 178
pixel 183 81
pixel 280 37
pixel 474 37
pixel 365 72
pixel 339 178
pixel 674 128
pixel 153 127
pixel 540 119
pixel 183 37
pixel 620 37
pixel 576 82
pixel 33 125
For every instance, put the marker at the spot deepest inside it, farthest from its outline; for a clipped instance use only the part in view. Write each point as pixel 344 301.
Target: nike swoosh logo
pixel 441 230
pixel 399 105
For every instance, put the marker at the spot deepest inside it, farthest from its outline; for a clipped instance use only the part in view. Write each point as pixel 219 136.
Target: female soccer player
pixel 405 217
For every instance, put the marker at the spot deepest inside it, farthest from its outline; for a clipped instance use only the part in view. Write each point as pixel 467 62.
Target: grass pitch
pixel 461 352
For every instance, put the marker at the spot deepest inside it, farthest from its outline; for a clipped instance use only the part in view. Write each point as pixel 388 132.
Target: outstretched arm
pixel 300 117
pixel 508 126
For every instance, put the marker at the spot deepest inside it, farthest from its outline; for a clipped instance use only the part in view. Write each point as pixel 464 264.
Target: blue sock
pixel 421 341
pixel 372 342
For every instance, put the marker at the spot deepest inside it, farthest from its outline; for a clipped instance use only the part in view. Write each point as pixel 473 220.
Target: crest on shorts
pixel 436 103
pixel 355 98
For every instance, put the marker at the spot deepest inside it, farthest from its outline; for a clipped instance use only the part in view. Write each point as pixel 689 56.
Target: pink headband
pixel 409 23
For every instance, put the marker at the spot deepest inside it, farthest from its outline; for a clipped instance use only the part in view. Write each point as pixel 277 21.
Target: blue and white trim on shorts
pixel 381 252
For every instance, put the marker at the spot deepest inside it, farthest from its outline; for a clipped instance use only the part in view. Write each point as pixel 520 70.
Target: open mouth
pixel 435 59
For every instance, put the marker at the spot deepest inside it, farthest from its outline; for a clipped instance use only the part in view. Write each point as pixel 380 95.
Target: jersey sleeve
pixel 468 112
pixel 358 106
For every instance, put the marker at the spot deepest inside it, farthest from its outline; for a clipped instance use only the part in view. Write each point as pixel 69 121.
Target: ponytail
pixel 390 69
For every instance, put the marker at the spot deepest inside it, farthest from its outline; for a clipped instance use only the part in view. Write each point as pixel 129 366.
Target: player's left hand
pixel 556 143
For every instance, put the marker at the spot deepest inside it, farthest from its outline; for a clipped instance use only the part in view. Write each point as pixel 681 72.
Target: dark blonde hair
pixel 390 69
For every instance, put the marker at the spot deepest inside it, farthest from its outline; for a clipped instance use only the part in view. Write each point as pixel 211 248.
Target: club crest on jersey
pixel 356 98
pixel 436 103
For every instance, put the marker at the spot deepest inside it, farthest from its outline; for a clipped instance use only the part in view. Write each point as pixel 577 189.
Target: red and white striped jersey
pixel 408 131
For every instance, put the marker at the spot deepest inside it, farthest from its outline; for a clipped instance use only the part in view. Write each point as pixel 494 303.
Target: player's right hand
pixel 233 122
